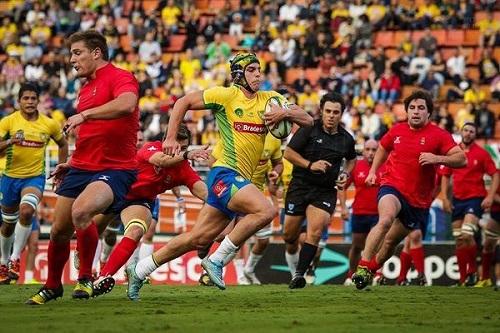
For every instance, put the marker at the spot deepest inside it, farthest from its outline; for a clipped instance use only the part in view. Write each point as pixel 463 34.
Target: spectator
pixel 303 56
pixel 199 50
pixel 377 13
pixel 137 30
pixel 485 122
pixel 289 11
pixel 405 15
pixel 495 88
pixel 489 29
pixel 428 42
pixel 420 65
pixel 283 49
pixel 364 33
pixel 431 84
pixel 443 118
pixel 465 13
pixel 464 115
pixel 41 33
pixel 363 101
pixel 149 47
pixel 300 82
pixel 488 67
pixel 378 60
pixel 370 121
pixel 189 65
pixel 13 71
pixel 236 26
pixel 31 51
pixel 63 103
pixel 170 16
pixel 439 68
pixel 390 87
pixel 309 99
pixel 216 49
pixel 427 13
pixel 356 10
pixel 407 44
pixel 456 65
pixel 33 70
pixel 474 95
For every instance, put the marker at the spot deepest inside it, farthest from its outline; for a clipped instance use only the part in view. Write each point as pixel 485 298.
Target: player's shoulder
pixel 268 94
pixel 220 90
pixel 151 146
pixel 345 133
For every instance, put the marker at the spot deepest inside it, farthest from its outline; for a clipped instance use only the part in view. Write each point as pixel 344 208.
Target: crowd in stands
pixel 372 51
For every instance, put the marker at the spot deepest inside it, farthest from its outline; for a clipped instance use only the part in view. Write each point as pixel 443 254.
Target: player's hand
pixel 428 159
pixel 320 166
pixel 58 174
pixel 447 207
pixel 276 115
pixel 344 213
pixel 273 177
pixel 15 140
pixel 342 180
pixel 73 122
pixel 371 180
pixel 199 155
pixel 171 147
pixel 487 203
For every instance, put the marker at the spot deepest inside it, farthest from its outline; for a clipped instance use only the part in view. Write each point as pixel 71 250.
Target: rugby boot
pixel 44 295
pixel 103 285
pixel 4 274
pixel 204 280
pixel 83 289
pixel 251 277
pixel 421 280
pixel 134 283
pixel 362 278
pixel 483 283
pixel 403 283
pixel 214 271
pixel 14 269
pixel 298 282
pixel 471 280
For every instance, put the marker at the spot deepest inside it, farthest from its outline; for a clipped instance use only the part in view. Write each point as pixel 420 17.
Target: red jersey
pixel 496 205
pixel 106 143
pixel 403 171
pixel 365 200
pixel 152 180
pixel 468 181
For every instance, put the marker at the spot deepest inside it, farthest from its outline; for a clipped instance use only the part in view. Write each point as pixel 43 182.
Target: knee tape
pixel 30 199
pixel 456 232
pixel 469 229
pixel 137 222
pixel 10 218
pixel 491 234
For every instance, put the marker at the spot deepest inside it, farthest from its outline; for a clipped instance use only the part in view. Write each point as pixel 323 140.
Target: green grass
pixel 270 308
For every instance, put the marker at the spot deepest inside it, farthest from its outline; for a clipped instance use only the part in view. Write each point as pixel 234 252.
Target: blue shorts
pixel 11 188
pixel 411 217
pixel 76 180
pixel 223 183
pixel 467 206
pixel 156 209
pixel 362 224
pixel 149 204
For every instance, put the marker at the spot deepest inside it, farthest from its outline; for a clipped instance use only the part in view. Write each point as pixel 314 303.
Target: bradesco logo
pixel 249 128
pixel 338 265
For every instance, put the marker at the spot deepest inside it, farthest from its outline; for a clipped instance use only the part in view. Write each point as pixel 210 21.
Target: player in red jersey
pixel 412 150
pixel 157 173
pixel 470 198
pixel 364 207
pixel 103 166
pixel 491 244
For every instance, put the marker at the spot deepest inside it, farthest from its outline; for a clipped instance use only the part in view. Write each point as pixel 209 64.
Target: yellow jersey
pixel 271 152
pixel 27 158
pixel 286 176
pixel 241 125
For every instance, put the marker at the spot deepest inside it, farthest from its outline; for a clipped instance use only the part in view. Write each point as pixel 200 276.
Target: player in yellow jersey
pixel 239 113
pixel 24 135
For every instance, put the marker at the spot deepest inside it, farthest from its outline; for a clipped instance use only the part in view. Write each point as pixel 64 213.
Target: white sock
pixel 95 264
pixel 106 251
pixel 135 256
pixel 145 267
pixel 252 261
pixel 28 275
pixel 225 249
pixel 229 257
pixel 292 261
pixel 238 266
pixel 22 233
pixel 5 247
pixel 146 249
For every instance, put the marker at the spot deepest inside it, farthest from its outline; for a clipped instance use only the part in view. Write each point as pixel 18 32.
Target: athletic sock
pixel 135 256
pixel 225 248
pixel 405 258
pixel 22 234
pixel 373 265
pixel 238 266
pixel 146 249
pixel 57 256
pixel 229 258
pixel 349 274
pixel 417 255
pixel 471 259
pixel 486 260
pixel 252 261
pixel 106 251
pixel 95 262
pixel 307 253
pixel 119 256
pixel 6 247
pixel 145 267
pixel 87 243
pixel 292 260
pixel 461 253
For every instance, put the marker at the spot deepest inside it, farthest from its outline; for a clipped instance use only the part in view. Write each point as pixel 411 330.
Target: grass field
pixel 269 308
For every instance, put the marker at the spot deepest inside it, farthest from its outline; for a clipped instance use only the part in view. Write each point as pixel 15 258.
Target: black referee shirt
pixel 314 144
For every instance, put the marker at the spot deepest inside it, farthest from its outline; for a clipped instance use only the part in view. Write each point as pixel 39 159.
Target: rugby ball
pixel 283 128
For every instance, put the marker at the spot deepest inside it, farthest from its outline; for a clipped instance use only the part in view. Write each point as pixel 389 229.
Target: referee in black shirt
pixel 316 154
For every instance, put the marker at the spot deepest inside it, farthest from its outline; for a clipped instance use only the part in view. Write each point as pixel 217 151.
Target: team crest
pixel 239 112
pixel 397 139
pixel 422 140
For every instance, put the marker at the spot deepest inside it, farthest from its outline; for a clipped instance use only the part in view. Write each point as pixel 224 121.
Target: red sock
pixel 487 258
pixel 57 256
pixel 461 253
pixel 405 266
pixel 349 274
pixel 471 259
pixel 364 263
pixel 417 255
pixel 87 243
pixel 119 256
pixel 373 265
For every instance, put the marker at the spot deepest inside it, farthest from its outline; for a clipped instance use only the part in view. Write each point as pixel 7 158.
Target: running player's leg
pixel 262 240
pixel 109 237
pixel 291 232
pixel 492 235
pixel 460 250
pixel 417 255
pixel 405 263
pixel 361 225
pixel 396 234
pixel 469 229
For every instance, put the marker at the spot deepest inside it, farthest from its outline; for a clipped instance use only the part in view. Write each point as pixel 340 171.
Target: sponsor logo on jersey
pixel 249 128
pixel 31 144
pixel 219 188
pixel 397 139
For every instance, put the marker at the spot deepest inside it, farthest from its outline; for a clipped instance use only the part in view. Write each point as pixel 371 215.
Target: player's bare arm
pixel 6 143
pixel 445 184
pixel 345 174
pixel 294 114
pixel 163 160
pixel 63 150
pixel 342 196
pixel 490 197
pixel 276 172
pixel 455 158
pixel 200 190
pixel 191 101
pixel 296 159
pixel 379 159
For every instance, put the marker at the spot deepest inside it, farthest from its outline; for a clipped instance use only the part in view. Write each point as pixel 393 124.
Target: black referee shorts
pixel 299 196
